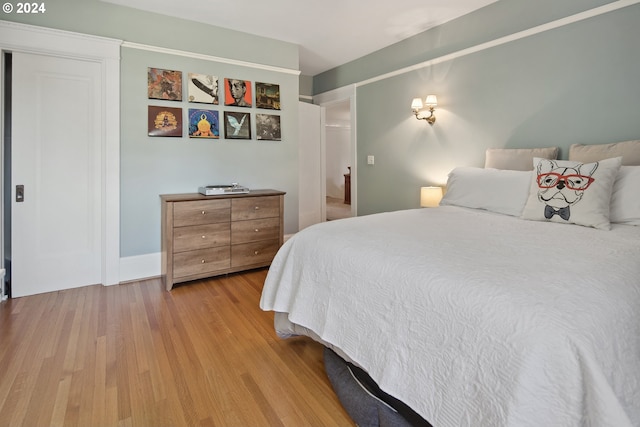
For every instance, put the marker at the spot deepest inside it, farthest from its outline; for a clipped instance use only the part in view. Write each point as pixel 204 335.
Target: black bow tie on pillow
pixel 562 212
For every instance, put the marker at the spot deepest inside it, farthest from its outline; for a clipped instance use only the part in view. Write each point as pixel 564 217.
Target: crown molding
pixel 211 58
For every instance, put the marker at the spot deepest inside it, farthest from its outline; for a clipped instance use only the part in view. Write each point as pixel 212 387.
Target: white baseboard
pixel 140 267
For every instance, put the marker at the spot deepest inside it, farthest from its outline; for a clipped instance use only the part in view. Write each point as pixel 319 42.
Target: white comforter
pixel 472 318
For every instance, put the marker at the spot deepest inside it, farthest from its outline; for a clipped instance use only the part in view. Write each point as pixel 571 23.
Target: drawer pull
pixel 204 212
pixel 256 252
pixel 257 208
pixel 256 230
pixel 204 237
pixel 202 261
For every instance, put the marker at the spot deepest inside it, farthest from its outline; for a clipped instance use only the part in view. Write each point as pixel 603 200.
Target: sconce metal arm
pixel 431 118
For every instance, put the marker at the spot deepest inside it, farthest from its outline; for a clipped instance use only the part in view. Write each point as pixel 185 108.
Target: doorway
pixel 338 160
pixel 340 148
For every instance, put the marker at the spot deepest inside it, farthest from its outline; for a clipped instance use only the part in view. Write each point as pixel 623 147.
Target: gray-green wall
pixel 577 83
pixel 152 166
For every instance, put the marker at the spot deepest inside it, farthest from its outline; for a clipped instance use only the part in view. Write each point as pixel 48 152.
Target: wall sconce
pixel 430 102
pixel 430 197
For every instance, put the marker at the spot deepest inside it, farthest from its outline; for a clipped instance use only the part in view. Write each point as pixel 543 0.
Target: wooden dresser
pixel 204 236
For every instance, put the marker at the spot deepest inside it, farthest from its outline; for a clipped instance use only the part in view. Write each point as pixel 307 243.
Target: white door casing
pixel 105 54
pixel 312 186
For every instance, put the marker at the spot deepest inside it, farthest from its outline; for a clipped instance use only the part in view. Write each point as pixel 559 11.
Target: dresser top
pixel 197 196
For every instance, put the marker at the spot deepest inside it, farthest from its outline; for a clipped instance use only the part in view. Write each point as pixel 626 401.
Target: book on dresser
pixel 205 236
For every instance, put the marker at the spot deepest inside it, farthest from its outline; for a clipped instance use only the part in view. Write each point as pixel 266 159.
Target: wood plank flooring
pixel 203 354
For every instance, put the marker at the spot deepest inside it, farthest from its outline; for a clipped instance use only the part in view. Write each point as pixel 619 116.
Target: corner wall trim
pixel 194 55
pixel 610 7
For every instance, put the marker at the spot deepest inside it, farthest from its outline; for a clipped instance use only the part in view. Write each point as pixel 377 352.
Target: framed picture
pixel 165 121
pixel 164 84
pixel 267 127
pixel 237 125
pixel 268 96
pixel 237 93
pixel 203 124
pixel 203 88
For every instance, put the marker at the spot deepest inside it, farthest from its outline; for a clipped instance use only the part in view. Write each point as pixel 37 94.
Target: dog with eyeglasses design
pixel 560 187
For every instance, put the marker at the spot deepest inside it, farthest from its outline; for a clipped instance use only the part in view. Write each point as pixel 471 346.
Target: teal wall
pixel 496 20
pixel 574 84
pixel 153 166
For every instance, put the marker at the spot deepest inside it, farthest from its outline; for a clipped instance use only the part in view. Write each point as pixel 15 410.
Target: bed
pixel 484 311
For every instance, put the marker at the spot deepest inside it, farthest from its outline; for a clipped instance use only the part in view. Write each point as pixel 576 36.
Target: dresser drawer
pixel 201 236
pixel 201 212
pixel 255 207
pixel 255 230
pixel 254 253
pixel 201 261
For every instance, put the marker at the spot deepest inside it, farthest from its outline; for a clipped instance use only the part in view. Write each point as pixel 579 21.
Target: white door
pixel 311 157
pixel 56 239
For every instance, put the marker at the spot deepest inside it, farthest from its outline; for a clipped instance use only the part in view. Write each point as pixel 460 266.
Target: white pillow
pixel 572 192
pixel 501 191
pixel 625 200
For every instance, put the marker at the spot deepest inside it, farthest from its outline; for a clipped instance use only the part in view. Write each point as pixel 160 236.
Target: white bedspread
pixel 472 318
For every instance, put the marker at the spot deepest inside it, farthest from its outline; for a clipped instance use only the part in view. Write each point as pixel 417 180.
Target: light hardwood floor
pixel 203 354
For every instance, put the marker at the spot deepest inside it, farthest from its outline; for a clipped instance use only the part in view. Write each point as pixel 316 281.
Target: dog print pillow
pixel 571 192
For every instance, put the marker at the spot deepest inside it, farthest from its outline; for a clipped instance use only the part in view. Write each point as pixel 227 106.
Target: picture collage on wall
pixel 204 122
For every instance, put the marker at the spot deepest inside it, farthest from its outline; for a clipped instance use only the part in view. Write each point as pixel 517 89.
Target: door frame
pixel 310 153
pixel 326 99
pixel 17 37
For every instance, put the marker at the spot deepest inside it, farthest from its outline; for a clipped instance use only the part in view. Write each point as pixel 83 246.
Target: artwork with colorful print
pixel 164 84
pixel 164 121
pixel 237 93
pixel 203 124
pixel 268 96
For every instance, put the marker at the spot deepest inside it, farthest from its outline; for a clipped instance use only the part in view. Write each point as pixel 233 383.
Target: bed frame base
pixel 363 400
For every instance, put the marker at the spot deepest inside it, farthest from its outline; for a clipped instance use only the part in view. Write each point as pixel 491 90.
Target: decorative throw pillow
pixel 572 192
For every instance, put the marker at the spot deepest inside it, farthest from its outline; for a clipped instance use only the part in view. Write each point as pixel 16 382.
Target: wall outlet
pixel 370 160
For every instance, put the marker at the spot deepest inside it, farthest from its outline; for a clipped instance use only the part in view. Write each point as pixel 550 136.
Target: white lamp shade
pixel 431 101
pixel 430 196
pixel 416 104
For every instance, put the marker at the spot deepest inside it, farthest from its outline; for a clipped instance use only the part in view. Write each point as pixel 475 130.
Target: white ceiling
pixel 329 32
